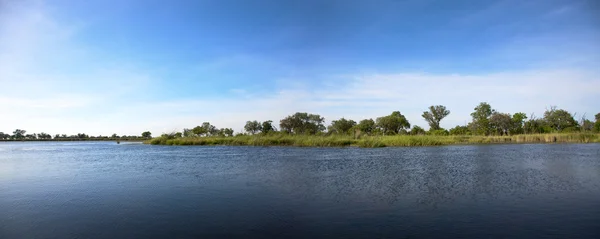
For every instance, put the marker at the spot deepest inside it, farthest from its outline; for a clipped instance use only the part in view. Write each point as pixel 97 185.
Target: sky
pixel 116 66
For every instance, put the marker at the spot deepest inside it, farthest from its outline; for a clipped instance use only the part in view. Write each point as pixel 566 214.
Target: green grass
pixel 376 141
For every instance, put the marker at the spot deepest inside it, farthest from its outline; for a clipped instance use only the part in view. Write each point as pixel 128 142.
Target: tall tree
pixel 501 123
pixel 518 120
pixel 267 126
pixel 19 134
pixel 392 124
pixel 559 119
pixel 435 114
pixel 253 127
pixel 341 126
pixel 481 118
pixel 366 126
pixel 302 123
pixel 147 134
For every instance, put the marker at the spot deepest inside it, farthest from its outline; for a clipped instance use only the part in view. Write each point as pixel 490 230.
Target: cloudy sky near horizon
pixel 109 66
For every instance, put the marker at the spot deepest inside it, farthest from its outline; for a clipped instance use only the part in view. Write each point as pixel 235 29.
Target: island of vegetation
pixel 487 126
pixel 304 129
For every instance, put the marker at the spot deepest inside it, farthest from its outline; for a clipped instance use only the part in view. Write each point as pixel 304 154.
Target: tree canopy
pixel 435 114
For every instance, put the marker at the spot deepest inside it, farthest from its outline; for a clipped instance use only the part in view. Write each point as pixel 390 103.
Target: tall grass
pixel 376 141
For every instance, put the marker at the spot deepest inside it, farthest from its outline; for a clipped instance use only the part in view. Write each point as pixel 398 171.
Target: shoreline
pixel 377 141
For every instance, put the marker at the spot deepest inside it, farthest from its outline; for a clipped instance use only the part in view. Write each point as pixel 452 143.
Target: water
pixel 105 190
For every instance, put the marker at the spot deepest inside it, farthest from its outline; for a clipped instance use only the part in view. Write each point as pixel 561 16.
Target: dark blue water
pixel 105 190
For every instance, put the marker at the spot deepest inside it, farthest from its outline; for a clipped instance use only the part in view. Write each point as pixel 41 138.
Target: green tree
pixel 227 132
pixel 302 123
pixel 481 119
pixel 392 124
pixel 435 114
pixel 416 130
pixel 460 130
pixel 19 134
pixel 253 127
pixel 341 126
pixel 518 121
pixel 267 126
pixel 501 123
pixel 4 136
pixel 366 126
pixel 147 135
pixel 559 119
pixel 597 123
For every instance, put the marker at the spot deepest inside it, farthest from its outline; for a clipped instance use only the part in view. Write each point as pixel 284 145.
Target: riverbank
pixel 376 141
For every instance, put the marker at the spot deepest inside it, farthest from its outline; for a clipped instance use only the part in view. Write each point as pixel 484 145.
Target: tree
pixel 227 132
pixel 19 134
pixel 44 136
pixel 481 118
pixel 416 130
pixel 302 123
pixel 392 124
pixel 435 115
pixel 518 121
pixel 366 126
pixel 147 135
pixel 209 129
pixel 460 130
pixel 253 127
pixel 501 123
pixel 267 126
pixel 198 131
pixel 341 126
pixel 4 136
pixel 559 119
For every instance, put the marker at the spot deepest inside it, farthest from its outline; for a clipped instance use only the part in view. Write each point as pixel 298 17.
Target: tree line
pixel 19 135
pixel 484 121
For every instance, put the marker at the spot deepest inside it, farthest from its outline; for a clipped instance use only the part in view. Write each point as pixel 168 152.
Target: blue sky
pixel 106 67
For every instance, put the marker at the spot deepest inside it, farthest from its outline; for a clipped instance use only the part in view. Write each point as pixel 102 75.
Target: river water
pixel 109 190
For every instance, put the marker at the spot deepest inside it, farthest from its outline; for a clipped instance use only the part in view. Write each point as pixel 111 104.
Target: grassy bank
pixel 376 141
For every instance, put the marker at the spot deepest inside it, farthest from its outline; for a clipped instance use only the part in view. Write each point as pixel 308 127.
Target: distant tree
pixel 4 136
pixel 302 123
pixel 501 123
pixel 392 124
pixel 209 129
pixel 188 132
pixel 459 130
pixel 253 127
pixel 147 135
pixel 435 114
pixel 113 136
pixel 559 119
pixel 83 136
pixel 366 126
pixel 341 126
pixel 416 130
pixel 481 119
pixel 518 121
pixel 178 135
pixel 587 125
pixel 198 131
pixel 267 126
pixel 44 136
pixel 19 134
pixel 227 132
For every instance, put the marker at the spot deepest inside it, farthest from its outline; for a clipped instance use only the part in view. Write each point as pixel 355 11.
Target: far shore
pixel 376 141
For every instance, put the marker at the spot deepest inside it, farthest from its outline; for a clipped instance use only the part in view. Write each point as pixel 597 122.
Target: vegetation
pixel 304 129
pixel 487 126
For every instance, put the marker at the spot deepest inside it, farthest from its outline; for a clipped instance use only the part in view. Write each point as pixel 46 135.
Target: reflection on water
pixel 105 190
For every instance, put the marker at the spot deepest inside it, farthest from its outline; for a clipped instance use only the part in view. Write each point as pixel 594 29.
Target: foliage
pixel 253 127
pixel 267 126
pixel 435 115
pixel 481 119
pixel 302 123
pixel 460 130
pixel 147 135
pixel 366 126
pixel 341 126
pixel 501 123
pixel 559 119
pixel 416 130
pixel 19 134
pixel 392 124
pixel 439 132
